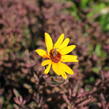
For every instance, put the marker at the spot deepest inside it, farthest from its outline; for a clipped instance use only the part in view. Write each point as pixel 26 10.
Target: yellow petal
pixel 69 58
pixel 64 75
pixel 41 52
pixel 65 43
pixel 47 69
pixel 56 68
pixel 48 42
pixel 45 62
pixel 59 41
pixel 67 49
pixel 66 68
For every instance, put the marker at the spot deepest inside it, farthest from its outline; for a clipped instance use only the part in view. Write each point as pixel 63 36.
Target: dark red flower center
pixel 55 56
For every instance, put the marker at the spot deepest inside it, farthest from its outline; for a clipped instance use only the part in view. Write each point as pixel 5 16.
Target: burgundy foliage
pixel 22 27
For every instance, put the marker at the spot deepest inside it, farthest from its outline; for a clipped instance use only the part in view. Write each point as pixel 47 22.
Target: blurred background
pixel 22 26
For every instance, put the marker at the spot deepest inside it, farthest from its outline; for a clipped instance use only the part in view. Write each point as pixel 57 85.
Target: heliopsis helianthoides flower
pixel 56 55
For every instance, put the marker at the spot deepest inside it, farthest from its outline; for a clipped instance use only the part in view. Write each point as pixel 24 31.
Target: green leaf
pixel 96 9
pixel 84 3
pixel 96 69
pixel 99 52
pixel 92 79
pixel 104 21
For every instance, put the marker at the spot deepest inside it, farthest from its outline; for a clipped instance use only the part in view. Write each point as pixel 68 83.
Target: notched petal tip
pixel 64 76
pixel 68 49
pixel 67 69
pixel 64 43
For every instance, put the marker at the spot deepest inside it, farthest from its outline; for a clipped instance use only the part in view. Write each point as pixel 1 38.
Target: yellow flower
pixel 56 55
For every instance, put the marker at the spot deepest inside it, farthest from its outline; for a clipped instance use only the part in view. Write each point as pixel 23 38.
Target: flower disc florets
pixel 55 56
